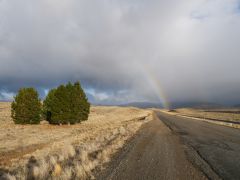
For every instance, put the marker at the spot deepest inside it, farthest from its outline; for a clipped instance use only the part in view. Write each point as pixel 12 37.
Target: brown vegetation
pixel 65 152
pixel 225 117
pixel 217 114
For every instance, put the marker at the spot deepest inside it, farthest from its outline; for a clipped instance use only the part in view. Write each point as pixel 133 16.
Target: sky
pixel 123 50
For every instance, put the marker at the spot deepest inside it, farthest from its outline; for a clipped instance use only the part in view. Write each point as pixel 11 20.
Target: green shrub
pixel 48 103
pixel 66 104
pixel 26 107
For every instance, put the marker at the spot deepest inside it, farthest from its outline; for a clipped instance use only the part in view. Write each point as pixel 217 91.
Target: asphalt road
pixel 218 146
pixel 155 153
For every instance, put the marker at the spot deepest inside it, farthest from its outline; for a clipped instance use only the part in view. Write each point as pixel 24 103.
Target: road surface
pixel 218 145
pixel 155 153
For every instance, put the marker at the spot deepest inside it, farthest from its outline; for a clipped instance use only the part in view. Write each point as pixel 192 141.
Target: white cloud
pixel 7 96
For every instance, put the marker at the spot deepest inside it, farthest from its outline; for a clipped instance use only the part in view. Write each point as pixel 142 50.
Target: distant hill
pixel 143 105
pixel 5 101
pixel 237 106
pixel 200 105
pixel 175 105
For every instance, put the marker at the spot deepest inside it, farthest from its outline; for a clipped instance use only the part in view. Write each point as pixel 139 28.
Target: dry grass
pixel 65 152
pixel 217 114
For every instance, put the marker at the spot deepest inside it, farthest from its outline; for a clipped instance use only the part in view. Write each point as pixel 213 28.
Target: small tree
pixel 26 107
pixel 48 103
pixel 81 106
pixel 66 104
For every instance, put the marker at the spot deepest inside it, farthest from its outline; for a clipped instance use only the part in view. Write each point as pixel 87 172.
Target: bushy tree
pixel 66 104
pixel 48 103
pixel 26 107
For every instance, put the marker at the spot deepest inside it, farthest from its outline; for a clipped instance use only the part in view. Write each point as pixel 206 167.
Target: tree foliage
pixel 66 104
pixel 26 107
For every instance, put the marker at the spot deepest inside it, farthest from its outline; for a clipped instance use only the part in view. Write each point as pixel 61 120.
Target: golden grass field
pixel 215 114
pixel 68 151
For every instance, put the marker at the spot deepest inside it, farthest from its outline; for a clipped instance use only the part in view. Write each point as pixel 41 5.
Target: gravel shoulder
pixel 154 153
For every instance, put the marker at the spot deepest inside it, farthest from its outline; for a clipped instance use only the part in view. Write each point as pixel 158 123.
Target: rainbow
pixel 156 86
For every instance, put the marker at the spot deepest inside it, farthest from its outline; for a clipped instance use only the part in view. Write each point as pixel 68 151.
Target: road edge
pixel 213 121
pixel 192 155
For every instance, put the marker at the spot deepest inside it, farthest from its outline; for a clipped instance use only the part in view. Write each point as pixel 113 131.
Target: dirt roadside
pixel 154 153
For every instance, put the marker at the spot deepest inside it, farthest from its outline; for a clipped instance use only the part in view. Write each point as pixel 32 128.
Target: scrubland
pixel 68 151
pixel 231 115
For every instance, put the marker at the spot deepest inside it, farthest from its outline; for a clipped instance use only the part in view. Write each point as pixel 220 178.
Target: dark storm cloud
pixel 119 49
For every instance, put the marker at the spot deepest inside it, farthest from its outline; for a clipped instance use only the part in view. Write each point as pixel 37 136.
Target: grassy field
pixel 65 152
pixel 232 115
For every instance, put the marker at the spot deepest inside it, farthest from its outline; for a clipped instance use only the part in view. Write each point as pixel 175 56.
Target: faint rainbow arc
pixel 155 84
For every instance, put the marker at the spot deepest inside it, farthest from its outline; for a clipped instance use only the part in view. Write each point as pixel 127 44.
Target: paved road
pixel 218 145
pixel 155 153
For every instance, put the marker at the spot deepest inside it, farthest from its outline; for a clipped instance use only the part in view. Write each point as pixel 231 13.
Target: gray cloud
pixel 123 50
